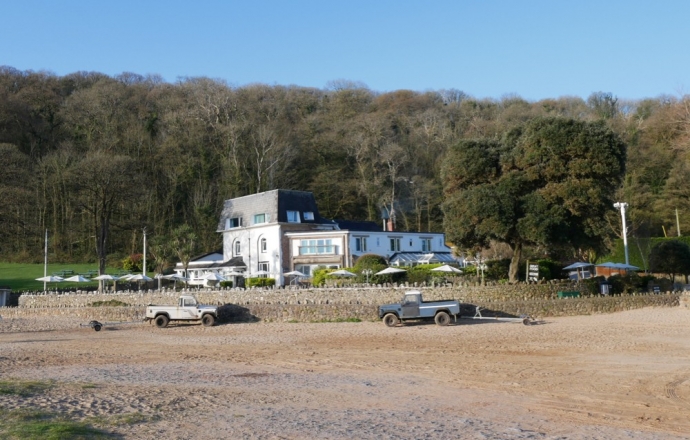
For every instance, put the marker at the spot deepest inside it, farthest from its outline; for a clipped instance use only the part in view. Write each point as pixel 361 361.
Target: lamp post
pixel 367 272
pixel 144 251
pixel 622 206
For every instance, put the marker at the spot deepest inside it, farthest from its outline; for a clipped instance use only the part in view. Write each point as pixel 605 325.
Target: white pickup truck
pixel 187 309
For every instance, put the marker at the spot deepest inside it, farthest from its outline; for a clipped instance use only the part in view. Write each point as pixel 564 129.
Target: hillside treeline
pixel 86 154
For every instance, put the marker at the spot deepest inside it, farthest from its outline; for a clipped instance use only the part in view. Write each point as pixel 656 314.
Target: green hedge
pixel 260 282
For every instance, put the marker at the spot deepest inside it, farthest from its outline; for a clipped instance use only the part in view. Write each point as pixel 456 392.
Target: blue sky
pixel 488 49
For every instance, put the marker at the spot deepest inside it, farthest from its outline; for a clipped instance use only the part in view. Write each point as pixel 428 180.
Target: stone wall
pixel 374 295
pixel 306 305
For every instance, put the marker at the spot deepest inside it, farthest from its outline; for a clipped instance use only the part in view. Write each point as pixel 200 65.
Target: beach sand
pixel 618 376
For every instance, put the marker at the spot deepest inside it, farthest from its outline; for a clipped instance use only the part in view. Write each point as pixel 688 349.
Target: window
pixel 260 218
pixel 293 216
pixel 426 245
pixel 309 216
pixel 315 247
pixel 263 267
pixel 233 222
pixel 395 244
pixel 238 248
pixel 263 245
pixel 361 244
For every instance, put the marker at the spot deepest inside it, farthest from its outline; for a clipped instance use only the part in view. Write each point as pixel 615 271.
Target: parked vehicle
pixel 187 309
pixel 414 307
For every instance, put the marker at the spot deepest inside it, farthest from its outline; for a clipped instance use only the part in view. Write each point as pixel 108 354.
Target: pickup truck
pixel 414 307
pixel 187 309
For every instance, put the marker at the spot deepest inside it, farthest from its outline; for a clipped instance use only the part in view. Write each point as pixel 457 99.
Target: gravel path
pixel 618 376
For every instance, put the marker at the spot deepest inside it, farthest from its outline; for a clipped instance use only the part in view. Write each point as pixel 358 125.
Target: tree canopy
pixel 196 142
pixel 671 257
pixel 548 182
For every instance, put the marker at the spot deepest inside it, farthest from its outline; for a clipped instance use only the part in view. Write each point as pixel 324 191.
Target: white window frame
pixel 394 244
pixel 426 244
pixel 263 245
pixel 293 216
pixel 308 215
pixel 238 248
pixel 265 266
pixel 361 244
pixel 266 218
pixel 235 222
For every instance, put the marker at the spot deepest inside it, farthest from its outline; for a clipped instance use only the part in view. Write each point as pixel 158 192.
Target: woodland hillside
pixel 86 151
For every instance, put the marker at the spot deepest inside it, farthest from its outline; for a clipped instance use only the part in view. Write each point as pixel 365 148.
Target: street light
pixel 622 206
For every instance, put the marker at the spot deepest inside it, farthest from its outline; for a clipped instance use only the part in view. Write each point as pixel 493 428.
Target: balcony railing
pixel 318 250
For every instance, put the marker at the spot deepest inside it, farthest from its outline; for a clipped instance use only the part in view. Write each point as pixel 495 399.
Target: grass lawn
pixel 19 276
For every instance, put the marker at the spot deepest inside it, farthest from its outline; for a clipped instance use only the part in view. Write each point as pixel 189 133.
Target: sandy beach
pixel 616 376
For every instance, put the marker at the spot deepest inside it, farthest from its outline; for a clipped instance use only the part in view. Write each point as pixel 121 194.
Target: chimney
pixel 390 225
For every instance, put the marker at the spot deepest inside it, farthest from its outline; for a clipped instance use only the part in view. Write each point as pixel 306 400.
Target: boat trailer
pixel 97 326
pixel 525 319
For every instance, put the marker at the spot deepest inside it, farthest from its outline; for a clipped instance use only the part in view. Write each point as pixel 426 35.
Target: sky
pixel 535 49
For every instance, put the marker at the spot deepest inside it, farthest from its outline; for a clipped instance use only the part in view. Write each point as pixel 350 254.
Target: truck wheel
pixel 442 319
pixel 162 321
pixel 208 320
pixel 97 327
pixel 390 320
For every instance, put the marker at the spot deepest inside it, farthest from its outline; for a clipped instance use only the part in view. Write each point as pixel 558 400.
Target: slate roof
pixel 358 226
pixel 275 203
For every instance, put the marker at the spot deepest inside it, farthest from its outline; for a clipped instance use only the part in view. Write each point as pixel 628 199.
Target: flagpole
pixel 45 263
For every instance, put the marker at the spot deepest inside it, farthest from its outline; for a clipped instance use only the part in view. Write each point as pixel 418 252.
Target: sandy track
pixel 625 375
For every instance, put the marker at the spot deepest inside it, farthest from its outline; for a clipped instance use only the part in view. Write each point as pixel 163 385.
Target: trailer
pixel 525 319
pixel 97 326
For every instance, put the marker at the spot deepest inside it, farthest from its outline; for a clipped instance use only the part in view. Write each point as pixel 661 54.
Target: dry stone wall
pixel 328 304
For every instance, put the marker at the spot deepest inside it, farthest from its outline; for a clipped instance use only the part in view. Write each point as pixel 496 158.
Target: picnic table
pixel 63 273
pixel 90 273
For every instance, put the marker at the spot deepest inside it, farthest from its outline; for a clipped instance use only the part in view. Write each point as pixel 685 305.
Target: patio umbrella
pixel 294 273
pixel 105 277
pixel 621 266
pixel 390 271
pixel 214 277
pixel 77 279
pixel 627 266
pixel 578 265
pixel 138 277
pixel 342 273
pixel 175 277
pixel 260 272
pixel 446 268
pixel 50 279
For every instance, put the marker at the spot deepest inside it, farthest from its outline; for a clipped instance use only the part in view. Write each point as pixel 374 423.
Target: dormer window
pixel 260 218
pixel 233 222
pixel 308 215
pixel 293 216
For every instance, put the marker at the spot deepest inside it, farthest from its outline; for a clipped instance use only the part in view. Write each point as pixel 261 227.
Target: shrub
pixel 135 263
pixel 319 276
pixel 370 261
pixel 109 303
pixel 260 282
pixel 497 269
pixel 226 284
